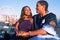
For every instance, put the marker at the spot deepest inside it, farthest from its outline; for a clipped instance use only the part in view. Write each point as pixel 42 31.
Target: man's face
pixel 39 8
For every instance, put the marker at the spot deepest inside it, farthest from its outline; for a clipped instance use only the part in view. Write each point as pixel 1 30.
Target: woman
pixel 25 22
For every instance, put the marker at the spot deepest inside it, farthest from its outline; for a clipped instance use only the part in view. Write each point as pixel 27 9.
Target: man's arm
pixel 52 23
pixel 52 20
pixel 34 33
pixel 37 32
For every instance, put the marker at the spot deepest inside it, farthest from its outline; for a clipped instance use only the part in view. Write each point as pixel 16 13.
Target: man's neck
pixel 43 14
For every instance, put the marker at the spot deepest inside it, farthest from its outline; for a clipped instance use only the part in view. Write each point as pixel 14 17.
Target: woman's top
pixel 25 25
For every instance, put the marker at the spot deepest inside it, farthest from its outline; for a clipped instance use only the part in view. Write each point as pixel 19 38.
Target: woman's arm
pixel 16 28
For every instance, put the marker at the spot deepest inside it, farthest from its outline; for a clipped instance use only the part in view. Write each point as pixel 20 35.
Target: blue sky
pixel 13 7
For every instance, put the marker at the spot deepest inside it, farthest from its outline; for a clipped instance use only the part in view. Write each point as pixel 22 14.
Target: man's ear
pixel 52 23
pixel 44 7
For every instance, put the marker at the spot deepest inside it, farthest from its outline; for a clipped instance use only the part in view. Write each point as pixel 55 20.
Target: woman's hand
pixel 23 34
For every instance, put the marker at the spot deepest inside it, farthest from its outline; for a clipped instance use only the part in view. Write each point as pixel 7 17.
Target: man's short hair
pixel 44 3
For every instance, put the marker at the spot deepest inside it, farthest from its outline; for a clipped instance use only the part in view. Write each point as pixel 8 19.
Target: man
pixel 44 22
pixel 43 18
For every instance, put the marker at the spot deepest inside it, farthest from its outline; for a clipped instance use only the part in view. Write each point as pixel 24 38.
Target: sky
pixel 13 7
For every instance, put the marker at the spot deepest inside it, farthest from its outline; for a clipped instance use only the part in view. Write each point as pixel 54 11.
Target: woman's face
pixel 27 11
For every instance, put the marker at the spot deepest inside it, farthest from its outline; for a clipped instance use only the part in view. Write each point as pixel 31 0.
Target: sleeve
pixel 48 29
pixel 51 17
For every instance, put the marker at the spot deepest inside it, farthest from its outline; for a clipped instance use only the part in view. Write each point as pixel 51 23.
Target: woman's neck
pixel 26 18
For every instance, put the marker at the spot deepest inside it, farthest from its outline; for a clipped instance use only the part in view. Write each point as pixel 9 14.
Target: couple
pixel 42 23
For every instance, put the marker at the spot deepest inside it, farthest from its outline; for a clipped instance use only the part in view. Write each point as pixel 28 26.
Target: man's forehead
pixel 38 4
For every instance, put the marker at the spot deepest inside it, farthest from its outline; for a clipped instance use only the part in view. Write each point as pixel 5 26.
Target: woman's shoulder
pixel 17 22
pixel 31 20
